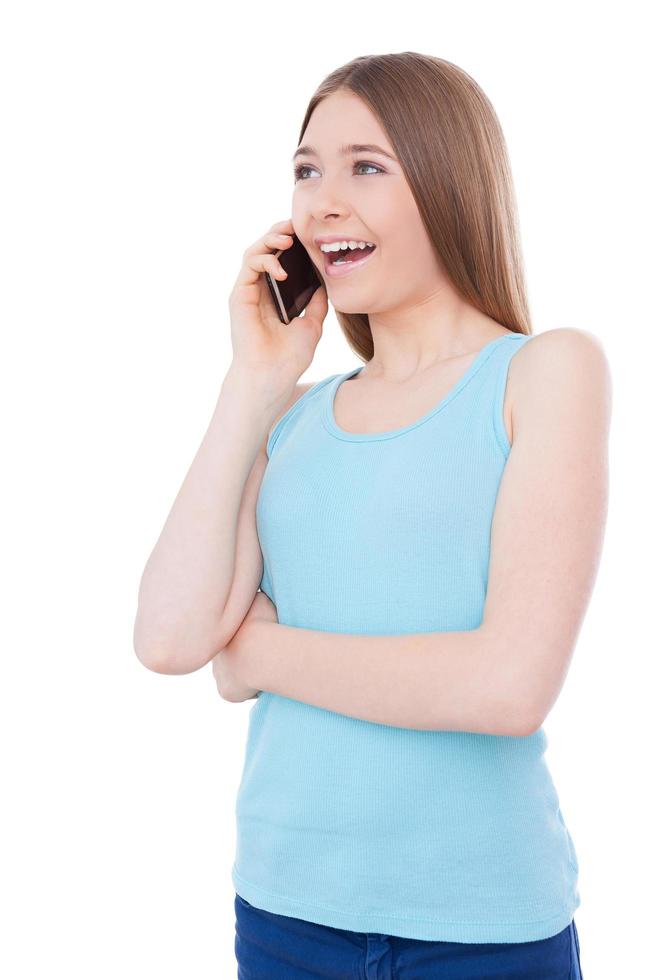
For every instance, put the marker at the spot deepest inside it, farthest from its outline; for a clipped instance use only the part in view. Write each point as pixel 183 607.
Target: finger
pixel 280 228
pixel 277 241
pixel 284 226
pixel 257 263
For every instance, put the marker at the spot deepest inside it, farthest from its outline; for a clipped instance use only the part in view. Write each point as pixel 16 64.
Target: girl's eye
pixel 298 171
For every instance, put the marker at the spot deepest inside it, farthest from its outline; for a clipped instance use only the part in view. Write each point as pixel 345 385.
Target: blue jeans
pixel 278 947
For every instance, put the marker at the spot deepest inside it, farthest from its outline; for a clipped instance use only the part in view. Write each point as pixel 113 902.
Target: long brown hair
pixel 447 137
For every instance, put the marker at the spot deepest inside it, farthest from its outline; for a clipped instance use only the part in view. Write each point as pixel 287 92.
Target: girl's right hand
pixel 261 341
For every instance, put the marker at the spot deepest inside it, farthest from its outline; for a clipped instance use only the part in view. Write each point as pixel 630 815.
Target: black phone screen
pixel 292 295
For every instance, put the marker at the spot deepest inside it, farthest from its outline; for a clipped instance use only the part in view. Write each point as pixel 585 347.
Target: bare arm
pixel 204 571
pixel 186 582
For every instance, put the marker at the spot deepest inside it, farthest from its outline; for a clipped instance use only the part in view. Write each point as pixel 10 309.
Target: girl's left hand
pixel 227 664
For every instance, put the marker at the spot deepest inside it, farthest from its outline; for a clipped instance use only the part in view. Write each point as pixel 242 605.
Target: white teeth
pixel 341 246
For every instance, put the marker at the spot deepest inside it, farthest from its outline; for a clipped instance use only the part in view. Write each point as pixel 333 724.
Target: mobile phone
pixel 292 295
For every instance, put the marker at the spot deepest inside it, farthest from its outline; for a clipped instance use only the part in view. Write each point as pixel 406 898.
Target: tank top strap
pixel 503 355
pixel 294 410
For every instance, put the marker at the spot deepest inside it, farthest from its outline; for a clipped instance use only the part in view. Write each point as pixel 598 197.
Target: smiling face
pixel 361 196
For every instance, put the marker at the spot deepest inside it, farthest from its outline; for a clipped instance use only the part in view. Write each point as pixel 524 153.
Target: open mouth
pixel 344 262
pixel 347 256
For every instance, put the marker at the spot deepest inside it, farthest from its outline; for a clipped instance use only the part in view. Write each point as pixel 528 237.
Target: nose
pixel 327 203
pixel 322 214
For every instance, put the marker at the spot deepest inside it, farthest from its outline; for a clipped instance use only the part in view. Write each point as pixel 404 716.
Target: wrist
pixel 251 653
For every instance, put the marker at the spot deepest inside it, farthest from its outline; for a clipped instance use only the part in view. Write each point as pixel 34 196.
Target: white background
pixel 145 146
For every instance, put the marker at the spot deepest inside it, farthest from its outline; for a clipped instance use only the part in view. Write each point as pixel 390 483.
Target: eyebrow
pixel 344 150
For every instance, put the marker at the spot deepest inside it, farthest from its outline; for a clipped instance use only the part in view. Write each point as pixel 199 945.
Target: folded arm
pixel 547 530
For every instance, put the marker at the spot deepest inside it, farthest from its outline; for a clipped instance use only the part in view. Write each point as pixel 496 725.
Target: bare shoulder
pixel 566 367
pixel 565 345
pixel 557 357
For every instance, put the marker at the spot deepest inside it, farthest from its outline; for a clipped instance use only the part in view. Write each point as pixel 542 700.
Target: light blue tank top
pixel 435 835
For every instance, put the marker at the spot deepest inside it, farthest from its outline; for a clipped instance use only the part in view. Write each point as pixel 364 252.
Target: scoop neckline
pixel 328 415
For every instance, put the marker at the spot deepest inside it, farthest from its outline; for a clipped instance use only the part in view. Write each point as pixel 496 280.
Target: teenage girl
pixel 425 529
